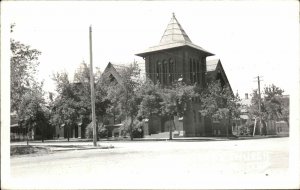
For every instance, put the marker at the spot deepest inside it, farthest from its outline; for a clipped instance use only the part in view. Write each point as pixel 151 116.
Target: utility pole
pixel 259 104
pixel 92 91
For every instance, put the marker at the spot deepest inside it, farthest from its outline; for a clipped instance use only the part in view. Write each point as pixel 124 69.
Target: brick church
pixel 177 57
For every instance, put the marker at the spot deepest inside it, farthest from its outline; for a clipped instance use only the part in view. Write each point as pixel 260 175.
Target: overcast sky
pixel 250 38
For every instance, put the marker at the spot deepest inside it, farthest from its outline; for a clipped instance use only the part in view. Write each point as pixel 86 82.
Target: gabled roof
pixel 174 36
pixel 114 70
pixel 213 67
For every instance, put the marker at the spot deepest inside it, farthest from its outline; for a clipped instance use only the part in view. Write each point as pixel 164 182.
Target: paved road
pixel 259 163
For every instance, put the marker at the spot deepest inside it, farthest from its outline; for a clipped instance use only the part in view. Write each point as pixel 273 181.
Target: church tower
pixel 175 57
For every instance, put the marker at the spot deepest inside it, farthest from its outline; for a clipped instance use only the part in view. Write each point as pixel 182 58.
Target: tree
pixel 66 105
pixel 174 100
pixel 73 103
pixel 124 96
pixel 23 67
pixel 166 102
pixel 219 102
pixel 31 113
pixel 272 108
pixel 26 92
pixel 272 102
pixel 151 101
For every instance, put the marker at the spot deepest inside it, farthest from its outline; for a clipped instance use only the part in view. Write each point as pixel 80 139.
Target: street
pixel 261 163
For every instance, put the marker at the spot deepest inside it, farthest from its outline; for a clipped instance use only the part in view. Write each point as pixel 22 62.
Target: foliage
pixel 151 101
pixel 175 99
pixel 26 92
pixel 272 106
pixel 166 102
pixel 32 109
pixel 124 97
pixel 73 103
pixel 219 102
pixel 244 131
pixel 23 67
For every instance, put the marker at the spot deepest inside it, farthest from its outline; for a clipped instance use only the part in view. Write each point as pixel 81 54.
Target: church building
pixel 177 57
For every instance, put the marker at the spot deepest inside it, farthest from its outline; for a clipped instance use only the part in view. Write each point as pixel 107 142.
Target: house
pixel 246 122
pixel 18 132
pixel 177 57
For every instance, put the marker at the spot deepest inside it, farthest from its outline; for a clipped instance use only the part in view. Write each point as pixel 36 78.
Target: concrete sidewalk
pixel 62 146
pixel 89 143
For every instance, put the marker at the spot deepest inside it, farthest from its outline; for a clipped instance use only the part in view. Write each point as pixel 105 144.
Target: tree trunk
pixel 130 128
pixel 171 135
pixel 27 137
pixel 42 132
pixel 68 133
pixel 266 131
pixel 254 127
pixel 260 127
pixel 227 128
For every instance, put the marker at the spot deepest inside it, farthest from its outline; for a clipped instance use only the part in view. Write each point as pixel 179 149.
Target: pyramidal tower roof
pixel 174 32
pixel 174 36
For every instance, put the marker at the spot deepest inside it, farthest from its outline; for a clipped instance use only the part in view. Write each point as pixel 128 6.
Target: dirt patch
pixel 23 149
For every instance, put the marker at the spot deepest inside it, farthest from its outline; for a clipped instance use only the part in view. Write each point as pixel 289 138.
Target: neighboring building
pixel 177 57
pixel 16 131
pixel 78 130
pixel 246 122
pixel 113 125
pixel 19 132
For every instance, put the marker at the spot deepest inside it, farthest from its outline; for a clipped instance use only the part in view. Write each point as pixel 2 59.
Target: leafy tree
pixel 26 92
pixel 175 98
pixel 151 101
pixel 23 67
pixel 272 107
pixel 65 106
pixel 272 102
pixel 32 110
pixel 166 102
pixel 124 96
pixel 218 102
pixel 73 103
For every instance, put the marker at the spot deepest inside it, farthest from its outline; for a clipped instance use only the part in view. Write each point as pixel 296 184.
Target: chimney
pixel 246 96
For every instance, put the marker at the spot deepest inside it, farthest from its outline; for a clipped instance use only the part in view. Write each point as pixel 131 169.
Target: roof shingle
pixel 174 36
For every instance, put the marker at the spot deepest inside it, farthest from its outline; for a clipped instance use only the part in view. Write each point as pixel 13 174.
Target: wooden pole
pixel 92 92
pixel 259 108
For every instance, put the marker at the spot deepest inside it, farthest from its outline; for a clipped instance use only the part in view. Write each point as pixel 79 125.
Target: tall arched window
pixel 171 71
pixel 203 69
pixel 191 70
pixel 198 72
pixel 165 72
pixel 194 71
pixel 158 64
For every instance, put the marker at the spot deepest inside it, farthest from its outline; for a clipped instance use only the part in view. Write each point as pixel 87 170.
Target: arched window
pixel 158 64
pixel 203 69
pixel 198 72
pixel 191 70
pixel 165 72
pixel 194 71
pixel 171 70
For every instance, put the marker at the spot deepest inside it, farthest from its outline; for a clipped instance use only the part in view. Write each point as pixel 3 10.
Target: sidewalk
pixel 84 143
pixel 62 145
pixel 49 146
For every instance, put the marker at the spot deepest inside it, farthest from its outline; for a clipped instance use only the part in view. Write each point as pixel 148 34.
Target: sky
pixel 252 38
